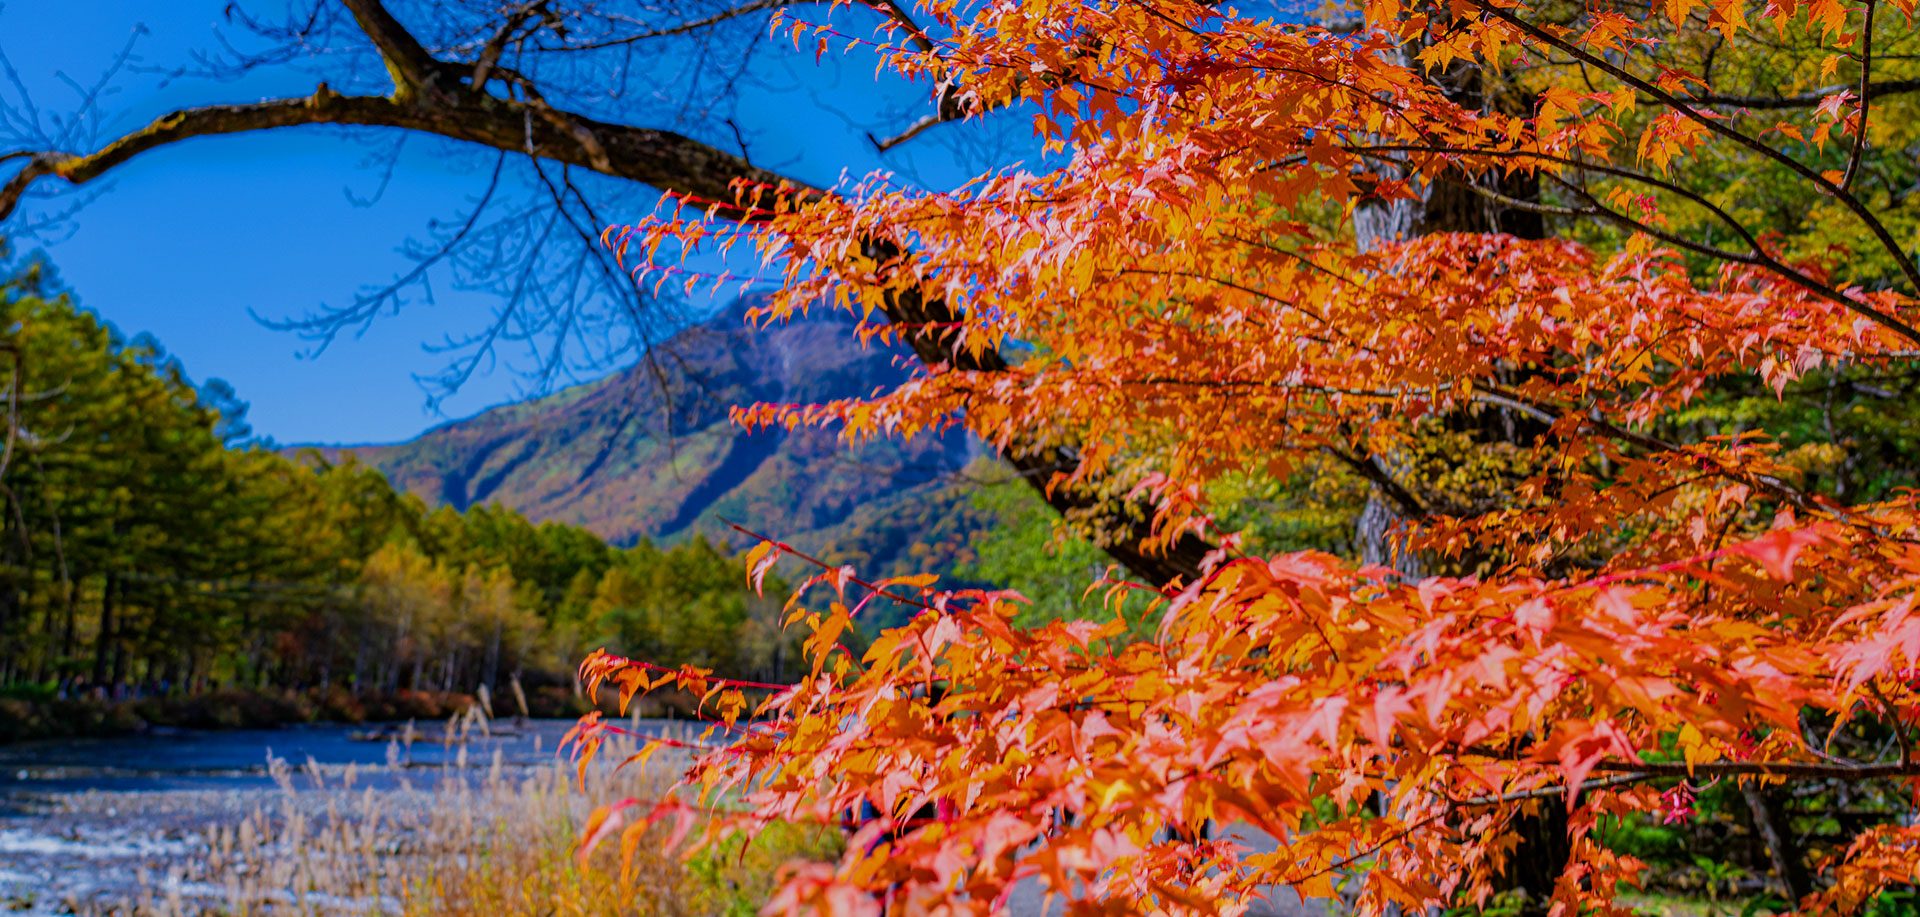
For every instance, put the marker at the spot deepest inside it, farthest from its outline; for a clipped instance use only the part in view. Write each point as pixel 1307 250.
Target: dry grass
pixel 498 845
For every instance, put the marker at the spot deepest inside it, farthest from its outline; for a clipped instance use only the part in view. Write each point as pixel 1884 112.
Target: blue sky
pixel 187 239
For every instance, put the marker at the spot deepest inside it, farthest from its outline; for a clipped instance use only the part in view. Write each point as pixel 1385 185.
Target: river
pixel 88 823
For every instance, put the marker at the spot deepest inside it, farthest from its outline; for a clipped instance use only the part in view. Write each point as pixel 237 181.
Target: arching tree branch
pixel 412 68
pixel 662 159
pixel 430 98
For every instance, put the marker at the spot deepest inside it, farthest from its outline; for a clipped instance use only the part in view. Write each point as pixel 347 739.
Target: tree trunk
pixel 68 637
pixel 1449 204
pixel 117 673
pixel 9 605
pixel 360 656
pixel 1376 225
pixel 43 667
pixel 492 668
pixel 154 634
pixel 103 641
pixel 1375 532
pixel 1771 826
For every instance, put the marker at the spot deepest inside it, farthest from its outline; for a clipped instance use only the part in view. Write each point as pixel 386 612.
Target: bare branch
pixel 899 14
pixel 1893 718
pixel 1718 126
pixel 1369 467
pixel 1765 769
pixel 412 68
pixel 1550 792
pixel 1807 99
pixel 1866 75
pixel 429 98
pixel 914 130
pixel 367 306
pixel 495 46
pixel 661 159
pixel 1758 256
pixel 693 25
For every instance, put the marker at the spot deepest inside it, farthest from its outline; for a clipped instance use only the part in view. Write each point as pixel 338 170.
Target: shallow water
pixel 86 824
pixel 187 759
pixel 84 821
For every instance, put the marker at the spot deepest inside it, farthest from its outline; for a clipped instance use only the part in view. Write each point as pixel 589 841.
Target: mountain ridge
pixel 650 452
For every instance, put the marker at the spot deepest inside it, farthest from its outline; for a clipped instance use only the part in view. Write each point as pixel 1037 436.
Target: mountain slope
pixel 651 453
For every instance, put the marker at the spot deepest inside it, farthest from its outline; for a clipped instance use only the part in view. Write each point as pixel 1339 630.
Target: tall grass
pixel 492 843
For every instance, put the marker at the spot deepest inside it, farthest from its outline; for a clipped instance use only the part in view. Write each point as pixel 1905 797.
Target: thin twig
pixel 1866 71
pixel 1549 792
pixel 1899 728
pixel 785 548
pixel 1718 126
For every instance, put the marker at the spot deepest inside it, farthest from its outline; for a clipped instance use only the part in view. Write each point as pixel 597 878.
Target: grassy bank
pixel 480 841
pixel 497 846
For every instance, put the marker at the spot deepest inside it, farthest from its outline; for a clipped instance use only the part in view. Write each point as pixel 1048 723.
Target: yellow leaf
pixel 1693 746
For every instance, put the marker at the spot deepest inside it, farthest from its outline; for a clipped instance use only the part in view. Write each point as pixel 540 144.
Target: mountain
pixel 649 451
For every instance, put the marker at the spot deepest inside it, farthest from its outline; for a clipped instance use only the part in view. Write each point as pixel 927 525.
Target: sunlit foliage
pixel 1650 581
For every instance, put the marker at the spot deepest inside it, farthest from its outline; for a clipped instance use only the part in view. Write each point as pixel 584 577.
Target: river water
pixel 87 823
pixel 236 760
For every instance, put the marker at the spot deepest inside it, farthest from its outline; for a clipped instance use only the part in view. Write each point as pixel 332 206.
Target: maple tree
pixel 1630 601
pixel 1638 612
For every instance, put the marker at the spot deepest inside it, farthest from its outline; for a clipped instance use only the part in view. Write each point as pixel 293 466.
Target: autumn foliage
pixel 1640 609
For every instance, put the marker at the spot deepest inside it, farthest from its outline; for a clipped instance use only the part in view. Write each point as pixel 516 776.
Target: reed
pixel 486 841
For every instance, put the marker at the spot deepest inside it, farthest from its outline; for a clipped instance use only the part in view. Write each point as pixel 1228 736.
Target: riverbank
pixel 312 819
pixel 44 717
pixel 27 715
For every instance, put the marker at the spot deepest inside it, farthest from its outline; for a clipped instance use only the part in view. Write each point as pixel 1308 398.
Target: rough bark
pixel 1037 464
pixel 1772 829
pixel 662 159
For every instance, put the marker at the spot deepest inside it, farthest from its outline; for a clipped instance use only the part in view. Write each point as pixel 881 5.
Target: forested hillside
pixel 149 550
pixel 650 452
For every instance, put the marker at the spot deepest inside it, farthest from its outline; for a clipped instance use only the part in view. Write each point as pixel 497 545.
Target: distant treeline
pixel 150 546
